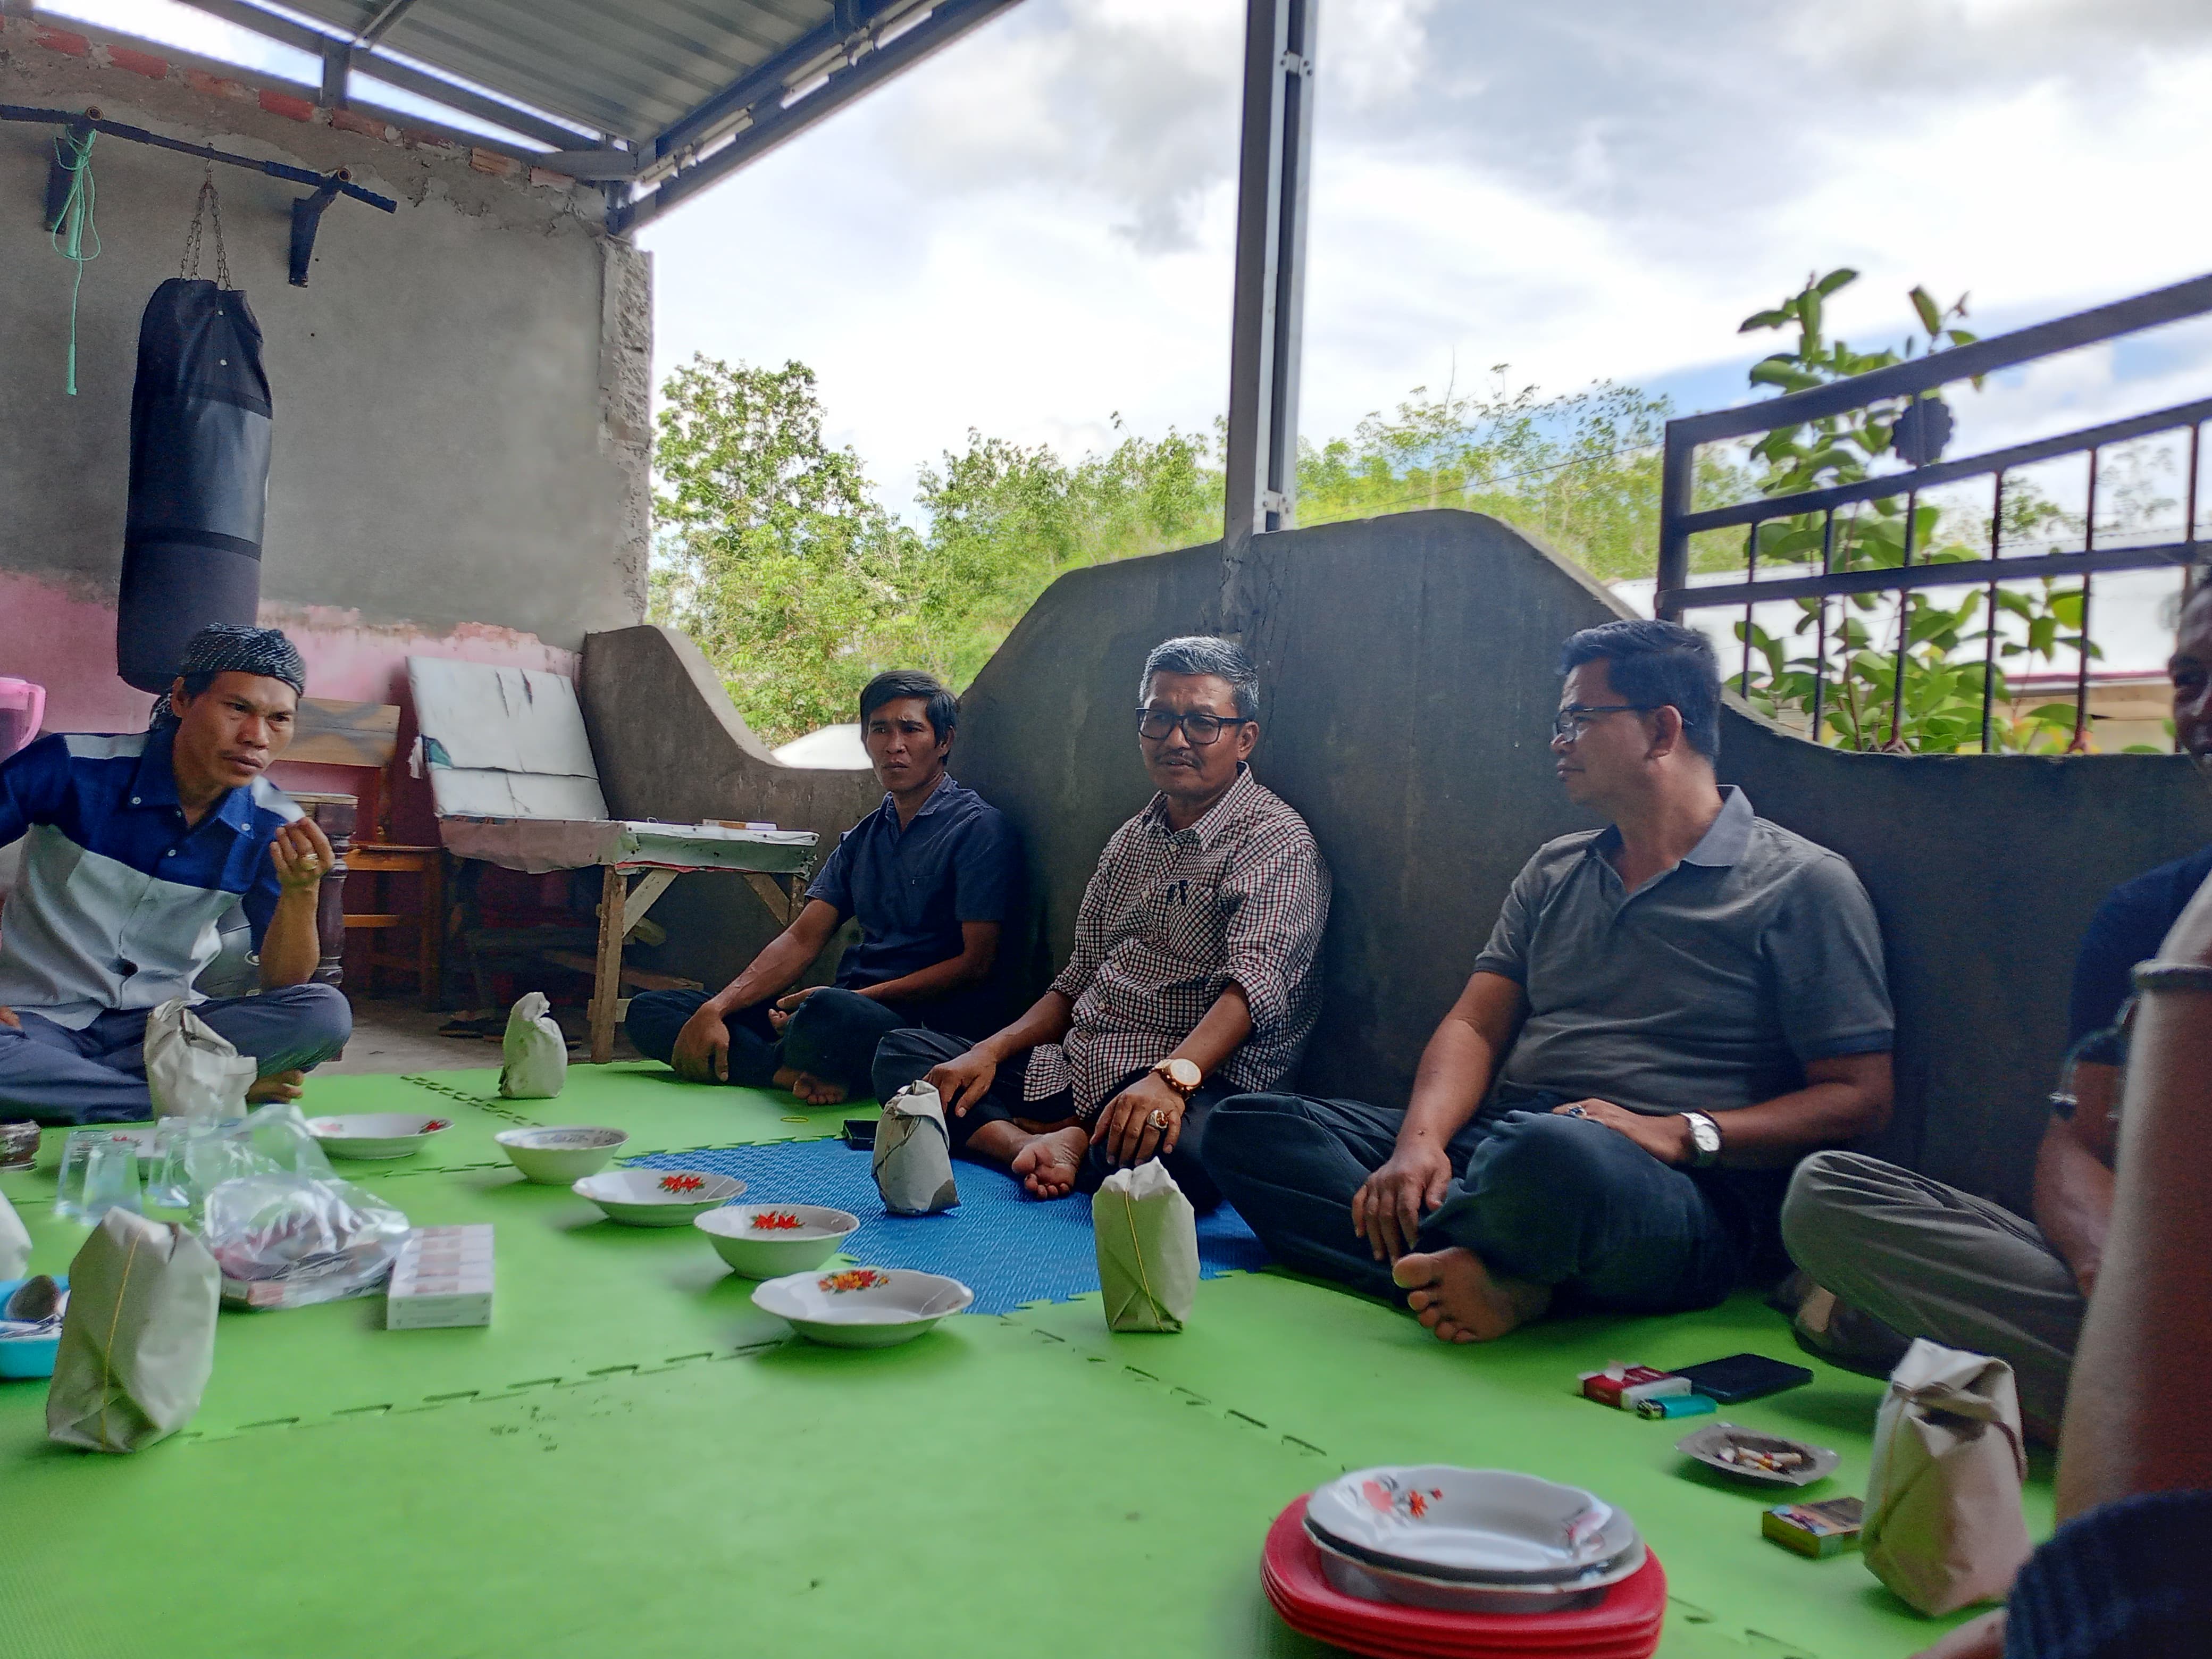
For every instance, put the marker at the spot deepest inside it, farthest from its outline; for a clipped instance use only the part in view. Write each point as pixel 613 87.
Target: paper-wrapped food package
pixel 1147 1238
pixel 913 1153
pixel 1943 1524
pixel 536 1053
pixel 191 1069
pixel 15 1242
pixel 138 1339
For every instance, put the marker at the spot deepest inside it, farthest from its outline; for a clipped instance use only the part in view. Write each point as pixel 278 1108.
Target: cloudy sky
pixel 1030 233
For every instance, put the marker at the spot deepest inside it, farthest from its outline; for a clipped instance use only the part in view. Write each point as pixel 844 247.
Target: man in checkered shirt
pixel 1193 977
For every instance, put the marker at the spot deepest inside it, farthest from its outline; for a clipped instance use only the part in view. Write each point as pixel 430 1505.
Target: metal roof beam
pixel 276 26
pixel 379 26
pixel 765 128
pixel 712 116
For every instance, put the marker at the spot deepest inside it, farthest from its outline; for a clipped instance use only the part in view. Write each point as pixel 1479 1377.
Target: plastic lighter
pixel 1676 1405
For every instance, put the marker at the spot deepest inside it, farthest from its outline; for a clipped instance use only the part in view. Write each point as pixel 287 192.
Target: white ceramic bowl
pixel 1372 1582
pixel 375 1134
pixel 657 1198
pixel 559 1156
pixel 760 1241
pixel 1488 1526
pixel 863 1307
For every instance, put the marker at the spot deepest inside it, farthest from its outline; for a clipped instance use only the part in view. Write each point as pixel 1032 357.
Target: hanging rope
pixel 75 237
pixel 207 205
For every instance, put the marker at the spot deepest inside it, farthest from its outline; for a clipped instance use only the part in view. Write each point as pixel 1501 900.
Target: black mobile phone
pixel 860 1136
pixel 1744 1376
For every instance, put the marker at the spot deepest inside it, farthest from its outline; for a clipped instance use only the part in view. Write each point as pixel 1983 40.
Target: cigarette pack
pixel 1676 1405
pixel 1627 1387
pixel 1815 1529
pixel 443 1277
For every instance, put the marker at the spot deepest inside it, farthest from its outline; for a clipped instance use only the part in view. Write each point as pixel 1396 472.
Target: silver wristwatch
pixel 1704 1140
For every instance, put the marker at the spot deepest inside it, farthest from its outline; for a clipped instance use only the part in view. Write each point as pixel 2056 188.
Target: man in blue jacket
pixel 134 846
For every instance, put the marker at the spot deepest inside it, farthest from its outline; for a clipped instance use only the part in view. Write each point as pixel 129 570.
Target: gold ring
pixel 1160 1118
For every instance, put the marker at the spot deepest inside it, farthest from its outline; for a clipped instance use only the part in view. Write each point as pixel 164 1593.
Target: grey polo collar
pixel 1723 843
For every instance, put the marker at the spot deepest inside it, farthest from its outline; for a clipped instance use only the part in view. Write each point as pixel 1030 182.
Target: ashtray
pixel 1767 1458
pixel 18 1145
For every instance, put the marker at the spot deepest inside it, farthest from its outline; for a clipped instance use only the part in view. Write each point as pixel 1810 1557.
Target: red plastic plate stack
pixel 1625 1624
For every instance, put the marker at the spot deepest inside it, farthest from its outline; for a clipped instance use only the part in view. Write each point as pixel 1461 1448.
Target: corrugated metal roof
pixel 633 68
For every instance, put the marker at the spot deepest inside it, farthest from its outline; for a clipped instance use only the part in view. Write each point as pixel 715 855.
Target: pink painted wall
pixel 63 636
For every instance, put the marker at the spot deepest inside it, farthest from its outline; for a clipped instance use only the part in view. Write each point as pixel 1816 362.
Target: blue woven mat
pixel 1006 1247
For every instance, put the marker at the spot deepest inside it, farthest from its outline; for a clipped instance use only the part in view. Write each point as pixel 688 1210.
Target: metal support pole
pixel 1273 167
pixel 338 73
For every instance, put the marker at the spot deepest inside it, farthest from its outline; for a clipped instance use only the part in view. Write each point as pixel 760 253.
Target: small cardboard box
pixel 1819 1530
pixel 1627 1387
pixel 443 1277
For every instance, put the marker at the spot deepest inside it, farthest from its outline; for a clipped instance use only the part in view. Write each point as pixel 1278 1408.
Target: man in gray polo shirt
pixel 1669 1013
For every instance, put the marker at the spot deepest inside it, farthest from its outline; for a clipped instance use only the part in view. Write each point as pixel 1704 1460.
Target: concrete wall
pixel 461 391
pixel 669 745
pixel 1409 668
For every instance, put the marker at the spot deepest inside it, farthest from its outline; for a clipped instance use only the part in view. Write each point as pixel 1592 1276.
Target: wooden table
pixel 621 907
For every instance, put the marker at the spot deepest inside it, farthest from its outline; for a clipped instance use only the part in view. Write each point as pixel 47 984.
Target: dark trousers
pixel 905 1056
pixel 1555 1200
pixel 832 1036
pixel 97 1073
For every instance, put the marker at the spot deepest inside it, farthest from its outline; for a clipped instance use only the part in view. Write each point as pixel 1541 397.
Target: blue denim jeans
pixel 1561 1201
pixel 97 1075
pixel 832 1036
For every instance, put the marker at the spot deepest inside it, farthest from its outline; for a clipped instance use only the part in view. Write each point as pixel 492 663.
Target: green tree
pixel 771 551
pixel 1579 472
pixel 1005 520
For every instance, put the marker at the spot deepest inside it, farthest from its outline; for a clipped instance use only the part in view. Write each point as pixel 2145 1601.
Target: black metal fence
pixel 1906 384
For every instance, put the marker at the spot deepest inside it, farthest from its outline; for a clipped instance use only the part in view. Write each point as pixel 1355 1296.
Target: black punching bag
pixel 199 477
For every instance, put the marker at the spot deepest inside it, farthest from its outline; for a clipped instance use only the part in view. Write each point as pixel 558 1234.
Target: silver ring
pixel 1160 1118
pixel 1574 1111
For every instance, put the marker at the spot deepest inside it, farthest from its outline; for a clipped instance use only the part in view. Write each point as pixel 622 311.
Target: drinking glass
pixel 111 1179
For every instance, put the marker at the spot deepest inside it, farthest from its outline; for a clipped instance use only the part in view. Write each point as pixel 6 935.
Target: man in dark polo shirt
pixel 930 874
pixel 1670 1012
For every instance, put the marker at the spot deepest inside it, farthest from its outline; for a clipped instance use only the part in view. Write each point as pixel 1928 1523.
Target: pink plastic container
pixel 22 710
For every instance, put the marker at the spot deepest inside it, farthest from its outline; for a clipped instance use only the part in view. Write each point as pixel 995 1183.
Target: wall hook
pixel 306 218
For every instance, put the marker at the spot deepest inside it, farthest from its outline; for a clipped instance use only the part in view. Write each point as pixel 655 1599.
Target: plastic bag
pixel 913 1164
pixel 1943 1525
pixel 1146 1235
pixel 536 1053
pixel 289 1241
pixel 191 1069
pixel 138 1339
pixel 285 1230
pixel 15 1241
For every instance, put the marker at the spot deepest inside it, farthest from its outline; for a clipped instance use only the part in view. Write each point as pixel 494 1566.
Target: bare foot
pixel 1049 1163
pixel 816 1092
pixel 1455 1296
pixel 277 1085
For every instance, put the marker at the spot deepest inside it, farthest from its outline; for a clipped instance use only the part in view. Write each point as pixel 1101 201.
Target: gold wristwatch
pixel 1181 1075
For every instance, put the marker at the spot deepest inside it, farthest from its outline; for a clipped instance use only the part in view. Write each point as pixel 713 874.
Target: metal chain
pixel 207 205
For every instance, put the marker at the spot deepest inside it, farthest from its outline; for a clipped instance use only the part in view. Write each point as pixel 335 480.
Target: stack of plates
pixel 1464 1563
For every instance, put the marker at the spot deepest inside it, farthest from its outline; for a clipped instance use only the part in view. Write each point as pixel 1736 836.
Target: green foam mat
pixel 1363 1384
pixel 973 1493
pixel 661 1112
pixel 979 1491
pixel 693 1476
pixel 577 1295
